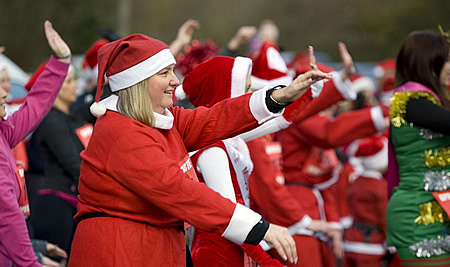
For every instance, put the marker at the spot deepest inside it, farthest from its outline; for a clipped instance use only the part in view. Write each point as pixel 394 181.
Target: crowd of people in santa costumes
pixel 270 163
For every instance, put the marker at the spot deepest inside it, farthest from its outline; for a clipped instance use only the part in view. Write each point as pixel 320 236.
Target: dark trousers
pixel 52 220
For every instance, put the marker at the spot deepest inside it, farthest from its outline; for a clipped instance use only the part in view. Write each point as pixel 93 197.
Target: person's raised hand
pixel 303 81
pixel 2 49
pixel 187 30
pixel 347 61
pixel 56 43
pixel 279 238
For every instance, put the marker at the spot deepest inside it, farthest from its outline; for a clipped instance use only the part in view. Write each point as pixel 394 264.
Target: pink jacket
pixel 15 243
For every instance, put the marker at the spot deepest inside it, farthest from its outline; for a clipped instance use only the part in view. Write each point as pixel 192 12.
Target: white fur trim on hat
pixel 378 161
pixel 98 109
pixel 141 71
pixel 180 94
pixel 241 68
pixel 363 84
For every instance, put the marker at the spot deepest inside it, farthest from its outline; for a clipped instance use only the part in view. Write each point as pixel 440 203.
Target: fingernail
pixel 296 260
pixel 285 258
pixel 291 260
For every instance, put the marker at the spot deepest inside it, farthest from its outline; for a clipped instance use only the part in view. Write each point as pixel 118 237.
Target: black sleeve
pixel 424 113
pixel 257 233
pixel 58 139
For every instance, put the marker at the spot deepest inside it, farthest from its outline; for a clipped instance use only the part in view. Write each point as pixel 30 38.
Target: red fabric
pixel 211 249
pixel 35 75
pixel 261 66
pixel 369 203
pixel 342 188
pixel 308 252
pixel 195 54
pixel 210 82
pixel 91 56
pixel 297 142
pixel 362 260
pixel 131 171
pixel 329 96
pixel 369 146
pixel 123 54
pixel 292 111
pixel 267 196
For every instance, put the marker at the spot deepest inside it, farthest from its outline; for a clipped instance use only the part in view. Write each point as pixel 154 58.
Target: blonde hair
pixel 134 102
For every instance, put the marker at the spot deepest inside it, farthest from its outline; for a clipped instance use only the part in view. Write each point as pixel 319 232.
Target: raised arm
pixel 42 95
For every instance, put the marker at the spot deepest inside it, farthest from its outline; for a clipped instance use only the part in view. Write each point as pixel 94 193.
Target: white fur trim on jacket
pixel 344 87
pixel 242 221
pixel 377 118
pixel 259 109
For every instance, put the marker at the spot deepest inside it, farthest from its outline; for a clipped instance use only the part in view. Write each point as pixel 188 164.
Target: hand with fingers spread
pixel 279 238
pixel 347 61
pixel 57 44
pixel 184 36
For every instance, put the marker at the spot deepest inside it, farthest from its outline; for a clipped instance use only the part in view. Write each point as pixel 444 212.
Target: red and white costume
pixel 142 178
pixel 224 166
pixel 365 239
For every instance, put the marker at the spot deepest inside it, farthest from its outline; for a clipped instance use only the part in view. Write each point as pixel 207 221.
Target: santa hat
pixel 362 83
pixel 128 61
pixel 89 64
pixel 269 68
pixel 35 75
pixel 214 80
pixel 380 69
pixel 373 152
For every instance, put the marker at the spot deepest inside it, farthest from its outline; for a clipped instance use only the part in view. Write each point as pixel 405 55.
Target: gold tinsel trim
pixel 397 109
pixel 439 158
pixel 431 212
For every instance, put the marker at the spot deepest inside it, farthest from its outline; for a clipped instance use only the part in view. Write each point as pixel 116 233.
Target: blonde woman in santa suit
pixel 137 185
pixel 15 245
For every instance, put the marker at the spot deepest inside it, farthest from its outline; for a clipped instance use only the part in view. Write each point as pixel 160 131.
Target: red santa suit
pixel 310 174
pixel 137 185
pixel 226 165
pixel 364 240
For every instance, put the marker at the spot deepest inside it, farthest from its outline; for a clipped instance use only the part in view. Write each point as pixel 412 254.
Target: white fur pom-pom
pixel 98 109
pixel 180 94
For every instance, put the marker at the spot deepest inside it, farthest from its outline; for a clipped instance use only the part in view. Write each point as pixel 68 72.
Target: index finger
pixel 312 58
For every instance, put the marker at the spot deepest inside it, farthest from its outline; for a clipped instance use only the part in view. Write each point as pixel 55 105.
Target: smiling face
pixel 161 87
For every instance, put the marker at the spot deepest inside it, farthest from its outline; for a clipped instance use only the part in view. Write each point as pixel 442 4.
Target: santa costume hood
pixel 214 80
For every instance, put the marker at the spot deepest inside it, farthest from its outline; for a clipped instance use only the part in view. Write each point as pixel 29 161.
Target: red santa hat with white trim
pixel 269 68
pixel 361 83
pixel 128 61
pixel 373 152
pixel 214 80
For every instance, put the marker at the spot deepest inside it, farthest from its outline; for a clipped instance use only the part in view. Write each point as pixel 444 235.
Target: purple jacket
pixel 15 243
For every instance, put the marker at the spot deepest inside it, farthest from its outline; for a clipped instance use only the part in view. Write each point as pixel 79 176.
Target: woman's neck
pixel 61 106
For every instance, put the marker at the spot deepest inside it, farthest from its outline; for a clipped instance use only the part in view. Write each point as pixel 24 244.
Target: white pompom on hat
pixel 128 61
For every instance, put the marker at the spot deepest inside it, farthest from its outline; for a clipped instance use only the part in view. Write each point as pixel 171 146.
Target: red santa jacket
pixel 142 174
pixel 302 138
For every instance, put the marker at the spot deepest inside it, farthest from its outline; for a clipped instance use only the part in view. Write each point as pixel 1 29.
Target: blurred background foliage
pixel 372 30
